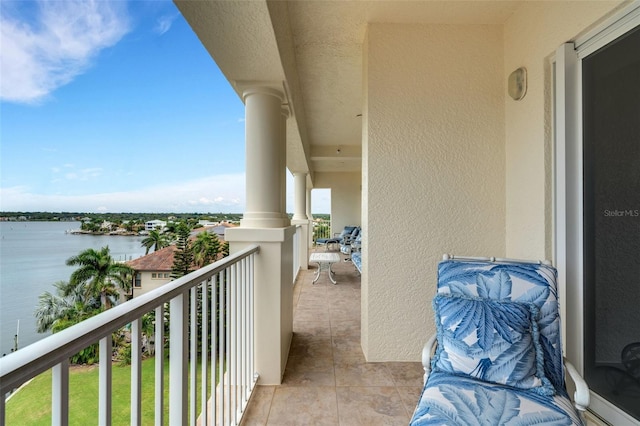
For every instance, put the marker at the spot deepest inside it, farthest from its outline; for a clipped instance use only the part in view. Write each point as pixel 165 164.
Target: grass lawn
pixel 32 404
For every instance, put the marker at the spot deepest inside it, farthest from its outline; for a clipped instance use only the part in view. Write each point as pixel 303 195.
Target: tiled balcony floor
pixel 327 380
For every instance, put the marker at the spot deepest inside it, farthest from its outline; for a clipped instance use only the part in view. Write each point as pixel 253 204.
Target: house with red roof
pixel 152 270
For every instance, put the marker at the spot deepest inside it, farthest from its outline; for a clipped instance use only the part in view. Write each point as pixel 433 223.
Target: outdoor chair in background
pixel 498 355
pixel 348 242
pixel 337 238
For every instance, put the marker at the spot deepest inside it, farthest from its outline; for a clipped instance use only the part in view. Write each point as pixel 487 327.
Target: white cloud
pixel 83 174
pixel 164 23
pixel 221 193
pixel 57 44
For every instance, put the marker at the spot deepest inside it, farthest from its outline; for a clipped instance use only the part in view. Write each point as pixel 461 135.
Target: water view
pixel 32 258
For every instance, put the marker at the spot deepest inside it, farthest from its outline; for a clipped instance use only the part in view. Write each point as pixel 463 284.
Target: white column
pixel 300 182
pixel 265 124
pixel 300 217
pixel 265 223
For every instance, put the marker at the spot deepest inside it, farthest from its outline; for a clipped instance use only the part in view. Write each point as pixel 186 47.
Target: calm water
pixel 32 258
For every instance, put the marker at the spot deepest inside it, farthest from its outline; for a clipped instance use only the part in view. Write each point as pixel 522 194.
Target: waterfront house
pixel 462 121
pixel 152 270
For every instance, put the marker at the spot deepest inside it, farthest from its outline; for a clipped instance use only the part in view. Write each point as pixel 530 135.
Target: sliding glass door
pixel 611 170
pixel 597 209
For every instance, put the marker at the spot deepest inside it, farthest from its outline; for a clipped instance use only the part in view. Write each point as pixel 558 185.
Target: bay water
pixel 32 259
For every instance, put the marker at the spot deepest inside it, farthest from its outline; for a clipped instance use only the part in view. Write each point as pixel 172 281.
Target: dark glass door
pixel 611 132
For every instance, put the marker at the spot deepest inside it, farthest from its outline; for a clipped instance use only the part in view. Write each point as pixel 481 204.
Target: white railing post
pixel 104 381
pixel 204 413
pixel 60 394
pixel 193 354
pixel 159 366
pixel 178 351
pixel 136 372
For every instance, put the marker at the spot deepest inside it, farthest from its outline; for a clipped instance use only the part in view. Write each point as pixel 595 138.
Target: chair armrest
pixel 581 397
pixel 428 349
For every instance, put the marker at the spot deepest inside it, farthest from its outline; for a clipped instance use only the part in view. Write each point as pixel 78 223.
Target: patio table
pixel 324 261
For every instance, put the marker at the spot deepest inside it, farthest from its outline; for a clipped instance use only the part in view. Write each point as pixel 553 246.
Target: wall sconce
pixel 517 84
pixel 338 151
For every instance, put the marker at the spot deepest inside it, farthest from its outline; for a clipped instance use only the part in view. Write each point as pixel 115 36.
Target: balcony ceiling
pixel 315 48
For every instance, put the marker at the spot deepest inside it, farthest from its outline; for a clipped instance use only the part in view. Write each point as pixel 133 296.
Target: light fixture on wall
pixel 338 151
pixel 517 85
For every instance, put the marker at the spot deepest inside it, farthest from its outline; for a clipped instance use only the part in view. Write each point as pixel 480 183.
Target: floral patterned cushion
pixel 451 400
pixel 493 340
pixel 521 282
pixel 459 399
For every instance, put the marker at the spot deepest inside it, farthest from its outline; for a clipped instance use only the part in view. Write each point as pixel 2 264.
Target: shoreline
pixel 110 233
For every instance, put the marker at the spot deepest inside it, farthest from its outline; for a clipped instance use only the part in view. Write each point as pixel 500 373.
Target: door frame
pixel 568 186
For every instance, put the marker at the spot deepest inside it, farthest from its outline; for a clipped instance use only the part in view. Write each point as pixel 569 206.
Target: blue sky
pixel 116 107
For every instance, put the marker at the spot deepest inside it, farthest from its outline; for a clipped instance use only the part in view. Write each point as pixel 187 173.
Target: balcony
pixel 327 380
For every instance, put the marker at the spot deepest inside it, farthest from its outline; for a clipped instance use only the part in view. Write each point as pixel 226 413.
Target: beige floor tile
pixel 310 314
pixel 343 328
pixel 320 327
pixel 308 345
pixel 304 406
pixel 370 406
pixel 308 371
pixel 409 396
pixel 327 379
pixel 347 347
pixel 259 406
pixel 358 372
pixel 406 373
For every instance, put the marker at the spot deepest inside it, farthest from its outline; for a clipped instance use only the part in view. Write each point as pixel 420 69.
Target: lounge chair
pixel 498 355
pixel 337 238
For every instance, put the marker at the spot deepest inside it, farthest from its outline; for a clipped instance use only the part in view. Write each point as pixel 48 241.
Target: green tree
pixel 183 259
pixel 67 306
pixel 63 309
pixel 155 239
pixel 100 276
pixel 206 248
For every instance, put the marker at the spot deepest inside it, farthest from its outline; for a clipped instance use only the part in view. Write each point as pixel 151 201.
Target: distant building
pixel 219 230
pixel 152 271
pixel 155 225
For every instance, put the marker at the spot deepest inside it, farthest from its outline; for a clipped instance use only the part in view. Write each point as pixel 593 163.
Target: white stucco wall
pixel 531 36
pixel 433 158
pixel 346 205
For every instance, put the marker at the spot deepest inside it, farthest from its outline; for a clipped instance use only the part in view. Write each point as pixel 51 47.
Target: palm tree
pixel 155 239
pixel 100 276
pixel 205 249
pixel 63 309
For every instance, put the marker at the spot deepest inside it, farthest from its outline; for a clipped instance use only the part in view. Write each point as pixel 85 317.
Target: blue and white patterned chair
pixel 498 355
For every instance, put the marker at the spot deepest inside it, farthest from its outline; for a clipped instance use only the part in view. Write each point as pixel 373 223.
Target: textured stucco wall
pixel 531 36
pixel 346 204
pixel 433 157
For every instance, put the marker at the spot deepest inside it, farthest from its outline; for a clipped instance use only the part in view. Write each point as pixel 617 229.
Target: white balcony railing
pixel 226 349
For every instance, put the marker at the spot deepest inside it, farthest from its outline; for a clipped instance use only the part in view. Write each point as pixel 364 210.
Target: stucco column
pixel 300 217
pixel 300 183
pixel 310 216
pixel 266 224
pixel 265 127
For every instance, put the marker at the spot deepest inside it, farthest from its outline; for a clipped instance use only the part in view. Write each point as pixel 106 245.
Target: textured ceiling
pixel 315 47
